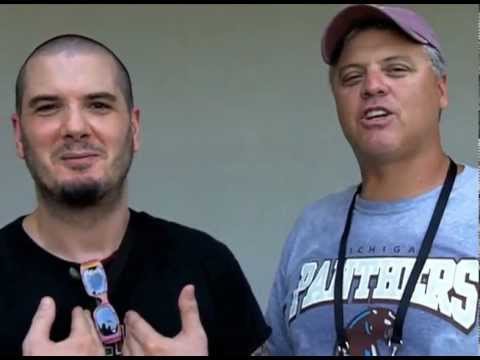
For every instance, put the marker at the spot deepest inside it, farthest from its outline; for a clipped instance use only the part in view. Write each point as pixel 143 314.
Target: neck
pixel 403 178
pixel 79 235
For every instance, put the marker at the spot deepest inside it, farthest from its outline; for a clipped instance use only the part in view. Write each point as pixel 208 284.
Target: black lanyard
pixel 343 347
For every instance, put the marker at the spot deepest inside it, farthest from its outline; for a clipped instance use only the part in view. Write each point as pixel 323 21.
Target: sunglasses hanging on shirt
pixel 105 317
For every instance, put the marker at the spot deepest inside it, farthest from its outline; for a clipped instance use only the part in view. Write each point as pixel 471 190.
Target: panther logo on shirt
pixel 370 331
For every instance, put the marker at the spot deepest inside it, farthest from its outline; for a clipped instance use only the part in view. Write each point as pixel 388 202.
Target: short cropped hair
pixel 73 42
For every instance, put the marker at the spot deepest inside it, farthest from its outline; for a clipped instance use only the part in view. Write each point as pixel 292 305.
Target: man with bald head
pixel 83 273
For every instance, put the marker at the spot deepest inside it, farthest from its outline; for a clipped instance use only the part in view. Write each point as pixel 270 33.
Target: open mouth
pixel 376 118
pixel 376 113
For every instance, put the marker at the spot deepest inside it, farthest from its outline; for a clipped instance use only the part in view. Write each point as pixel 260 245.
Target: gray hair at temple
pixel 438 62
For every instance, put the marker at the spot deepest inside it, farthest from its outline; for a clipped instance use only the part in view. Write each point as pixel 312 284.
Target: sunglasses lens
pixel 95 281
pixel 107 321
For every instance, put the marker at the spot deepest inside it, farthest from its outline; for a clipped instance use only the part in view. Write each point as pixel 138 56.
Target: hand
pixel 142 339
pixel 83 338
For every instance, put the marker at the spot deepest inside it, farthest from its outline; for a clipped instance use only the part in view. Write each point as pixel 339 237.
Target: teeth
pixel 374 113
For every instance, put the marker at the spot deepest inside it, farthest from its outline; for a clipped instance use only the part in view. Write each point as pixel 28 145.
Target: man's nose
pixel 374 84
pixel 75 124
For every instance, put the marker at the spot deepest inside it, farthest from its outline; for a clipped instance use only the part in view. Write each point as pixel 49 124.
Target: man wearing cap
pixel 388 266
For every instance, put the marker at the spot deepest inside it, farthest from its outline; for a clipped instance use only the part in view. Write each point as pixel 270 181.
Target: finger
pixel 131 347
pixel 189 314
pixel 91 326
pixel 80 324
pixel 125 349
pixel 139 329
pixel 89 319
pixel 42 320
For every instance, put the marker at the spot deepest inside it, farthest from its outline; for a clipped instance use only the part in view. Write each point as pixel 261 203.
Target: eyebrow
pixel 397 57
pixel 54 98
pixel 102 95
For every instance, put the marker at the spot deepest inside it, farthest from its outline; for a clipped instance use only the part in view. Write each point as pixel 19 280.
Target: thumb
pixel 42 320
pixel 189 314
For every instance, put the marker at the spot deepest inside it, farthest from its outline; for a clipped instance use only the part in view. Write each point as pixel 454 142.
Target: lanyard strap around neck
pixel 397 336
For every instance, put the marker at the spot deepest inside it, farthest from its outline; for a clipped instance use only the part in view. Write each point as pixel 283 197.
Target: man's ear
pixel 17 131
pixel 135 125
pixel 443 91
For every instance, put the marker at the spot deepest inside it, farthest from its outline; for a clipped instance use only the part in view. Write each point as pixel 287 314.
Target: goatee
pixel 81 195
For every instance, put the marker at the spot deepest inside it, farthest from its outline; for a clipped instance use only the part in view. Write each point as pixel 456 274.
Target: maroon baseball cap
pixel 407 20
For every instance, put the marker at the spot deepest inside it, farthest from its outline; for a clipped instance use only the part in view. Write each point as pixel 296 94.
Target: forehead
pixel 378 44
pixel 70 72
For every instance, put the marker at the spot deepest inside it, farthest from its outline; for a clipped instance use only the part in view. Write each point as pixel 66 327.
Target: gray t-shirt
pixel 384 241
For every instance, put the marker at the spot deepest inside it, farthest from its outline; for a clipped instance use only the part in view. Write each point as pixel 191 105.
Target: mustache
pixel 77 146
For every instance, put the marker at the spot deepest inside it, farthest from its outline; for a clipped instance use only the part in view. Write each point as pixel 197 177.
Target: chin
pixel 380 145
pixel 378 152
pixel 79 179
pixel 79 182
pixel 81 193
pixel 84 183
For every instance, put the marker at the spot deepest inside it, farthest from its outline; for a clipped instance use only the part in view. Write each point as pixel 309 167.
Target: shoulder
pixel 169 235
pixel 330 202
pixel 468 177
pixel 13 246
pixel 10 232
pixel 11 227
pixel 328 208
pixel 315 220
pixel 168 244
pixel 466 185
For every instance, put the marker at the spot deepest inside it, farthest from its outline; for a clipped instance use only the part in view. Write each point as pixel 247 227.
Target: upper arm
pixel 240 327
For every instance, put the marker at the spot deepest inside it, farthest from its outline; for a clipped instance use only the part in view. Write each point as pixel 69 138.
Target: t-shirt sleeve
pixel 240 326
pixel 277 312
pixel 278 343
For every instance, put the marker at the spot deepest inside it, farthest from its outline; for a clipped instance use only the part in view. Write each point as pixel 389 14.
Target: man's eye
pixel 351 79
pixel 42 109
pixel 100 106
pixel 397 70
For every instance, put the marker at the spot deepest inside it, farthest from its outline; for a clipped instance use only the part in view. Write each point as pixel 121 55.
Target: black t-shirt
pixel 155 261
